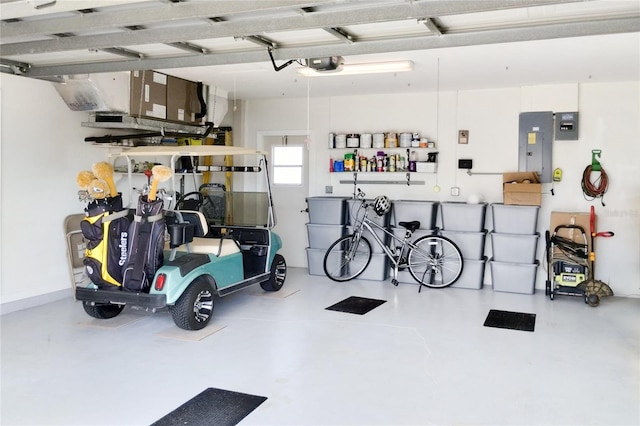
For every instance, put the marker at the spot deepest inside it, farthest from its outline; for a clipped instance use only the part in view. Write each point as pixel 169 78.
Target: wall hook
pixel 595 156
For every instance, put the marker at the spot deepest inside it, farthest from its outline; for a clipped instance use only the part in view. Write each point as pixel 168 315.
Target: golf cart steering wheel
pixel 184 203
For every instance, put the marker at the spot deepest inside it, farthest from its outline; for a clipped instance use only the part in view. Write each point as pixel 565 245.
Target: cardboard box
pixel 521 188
pixel 148 94
pixel 182 100
pixel 572 218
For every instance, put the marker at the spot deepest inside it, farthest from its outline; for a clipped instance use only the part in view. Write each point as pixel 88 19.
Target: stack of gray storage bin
pixel 463 223
pixel 378 268
pixel 327 220
pixel 514 242
pixel 407 211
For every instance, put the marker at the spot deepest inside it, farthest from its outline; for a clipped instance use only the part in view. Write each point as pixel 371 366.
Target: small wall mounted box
pixel 465 164
pixel 566 126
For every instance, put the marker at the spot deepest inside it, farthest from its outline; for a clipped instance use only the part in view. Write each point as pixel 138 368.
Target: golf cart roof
pixel 183 150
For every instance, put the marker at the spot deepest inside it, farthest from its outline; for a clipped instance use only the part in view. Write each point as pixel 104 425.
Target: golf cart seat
pixel 187 231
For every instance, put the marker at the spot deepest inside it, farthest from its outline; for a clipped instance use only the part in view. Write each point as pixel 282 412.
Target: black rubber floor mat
pixel 213 407
pixel 356 305
pixel 511 320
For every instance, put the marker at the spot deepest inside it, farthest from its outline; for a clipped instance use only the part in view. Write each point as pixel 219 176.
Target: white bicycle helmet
pixel 381 205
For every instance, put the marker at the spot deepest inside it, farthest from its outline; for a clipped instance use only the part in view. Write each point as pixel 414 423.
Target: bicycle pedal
pixel 394 282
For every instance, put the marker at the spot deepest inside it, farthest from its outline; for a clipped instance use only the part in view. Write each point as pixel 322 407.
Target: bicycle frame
pixel 394 256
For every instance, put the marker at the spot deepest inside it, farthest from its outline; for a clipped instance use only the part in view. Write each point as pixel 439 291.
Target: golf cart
pixel 223 245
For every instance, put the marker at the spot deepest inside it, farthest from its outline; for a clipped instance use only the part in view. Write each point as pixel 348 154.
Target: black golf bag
pixel 146 245
pixel 106 229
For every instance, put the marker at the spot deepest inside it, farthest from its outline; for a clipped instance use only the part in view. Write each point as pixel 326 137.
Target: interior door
pixel 288 164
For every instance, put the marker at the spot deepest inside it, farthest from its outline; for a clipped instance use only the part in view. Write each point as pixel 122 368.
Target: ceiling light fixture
pixel 365 68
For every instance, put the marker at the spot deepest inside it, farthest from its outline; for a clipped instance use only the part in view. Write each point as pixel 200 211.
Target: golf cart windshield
pixel 227 208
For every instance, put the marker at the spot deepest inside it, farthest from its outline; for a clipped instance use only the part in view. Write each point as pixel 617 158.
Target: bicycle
pixel 433 261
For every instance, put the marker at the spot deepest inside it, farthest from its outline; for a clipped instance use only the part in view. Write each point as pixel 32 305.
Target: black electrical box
pixel 465 164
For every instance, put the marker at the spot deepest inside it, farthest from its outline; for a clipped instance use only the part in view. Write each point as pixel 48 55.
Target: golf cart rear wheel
pixel 194 308
pixel 278 274
pixel 102 311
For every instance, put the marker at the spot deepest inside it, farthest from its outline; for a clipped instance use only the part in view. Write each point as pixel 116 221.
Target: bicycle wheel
pixel 435 261
pixel 347 258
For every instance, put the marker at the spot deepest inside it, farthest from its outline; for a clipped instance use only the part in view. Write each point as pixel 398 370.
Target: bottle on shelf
pixel 413 157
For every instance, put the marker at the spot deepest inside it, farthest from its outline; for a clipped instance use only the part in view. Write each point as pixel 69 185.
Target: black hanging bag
pixel 146 245
pixel 106 229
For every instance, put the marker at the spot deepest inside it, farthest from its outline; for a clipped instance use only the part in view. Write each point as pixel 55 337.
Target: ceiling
pixel 453 44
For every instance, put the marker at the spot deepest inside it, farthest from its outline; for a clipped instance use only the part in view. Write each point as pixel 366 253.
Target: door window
pixel 287 165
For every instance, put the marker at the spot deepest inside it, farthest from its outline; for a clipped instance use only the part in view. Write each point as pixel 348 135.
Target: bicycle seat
pixel 411 226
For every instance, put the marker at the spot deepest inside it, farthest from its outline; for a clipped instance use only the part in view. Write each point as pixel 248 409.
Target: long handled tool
pixel 595 289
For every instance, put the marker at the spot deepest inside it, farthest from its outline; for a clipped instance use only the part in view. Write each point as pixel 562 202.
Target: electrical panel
pixel 566 126
pixel 536 144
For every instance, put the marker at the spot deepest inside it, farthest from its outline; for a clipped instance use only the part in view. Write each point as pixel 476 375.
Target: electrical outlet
pixel 328 189
pixel 455 191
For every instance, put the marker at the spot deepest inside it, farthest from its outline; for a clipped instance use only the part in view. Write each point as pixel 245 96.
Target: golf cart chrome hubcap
pixel 203 306
pixel 281 273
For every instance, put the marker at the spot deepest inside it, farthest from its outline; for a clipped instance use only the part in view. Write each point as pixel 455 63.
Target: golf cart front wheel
pixel 103 310
pixel 278 274
pixel 194 308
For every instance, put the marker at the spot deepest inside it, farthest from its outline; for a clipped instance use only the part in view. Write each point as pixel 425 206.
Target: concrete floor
pixel 419 359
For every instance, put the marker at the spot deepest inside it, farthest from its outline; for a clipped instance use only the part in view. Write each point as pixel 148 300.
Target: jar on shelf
pixel 353 140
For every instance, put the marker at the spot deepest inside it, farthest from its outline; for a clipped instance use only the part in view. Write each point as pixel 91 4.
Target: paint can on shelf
pixel 378 140
pixel 365 140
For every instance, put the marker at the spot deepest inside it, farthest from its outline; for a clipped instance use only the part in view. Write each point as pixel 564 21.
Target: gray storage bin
pixel 354 212
pixel 516 248
pixel 378 269
pixel 315 261
pixel 458 216
pixel 471 244
pixel 472 276
pixel 322 236
pixel 409 210
pixel 513 277
pixel 514 219
pixel 375 247
pixel 327 210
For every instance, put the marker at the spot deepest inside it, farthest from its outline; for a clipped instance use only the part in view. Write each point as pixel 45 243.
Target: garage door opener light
pixel 365 68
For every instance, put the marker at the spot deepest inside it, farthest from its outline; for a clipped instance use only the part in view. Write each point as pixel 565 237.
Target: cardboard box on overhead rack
pixel 521 188
pixel 182 100
pixel 148 94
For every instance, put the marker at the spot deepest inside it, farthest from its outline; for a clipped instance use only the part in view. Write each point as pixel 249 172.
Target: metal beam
pixel 340 33
pixel 431 26
pixel 371 13
pixel 123 52
pixel 150 15
pixel 189 47
pixel 541 32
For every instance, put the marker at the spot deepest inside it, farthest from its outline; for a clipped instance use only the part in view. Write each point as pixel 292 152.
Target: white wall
pixel 608 121
pixel 42 149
